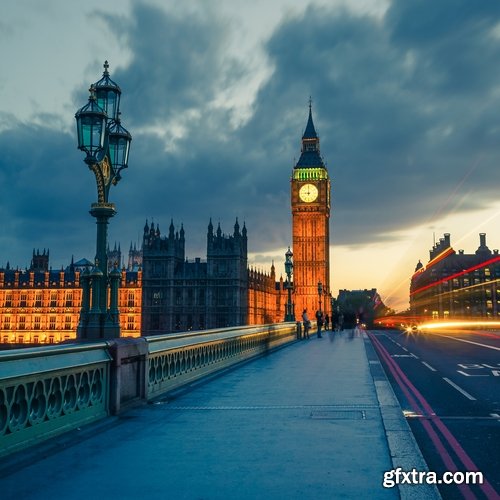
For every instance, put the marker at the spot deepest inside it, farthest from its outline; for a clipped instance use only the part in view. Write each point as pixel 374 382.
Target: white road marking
pixel 404 349
pixel 469 375
pixel 429 366
pixel 469 342
pixel 459 389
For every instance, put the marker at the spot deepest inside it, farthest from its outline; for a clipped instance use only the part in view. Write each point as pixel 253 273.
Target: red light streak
pixel 456 275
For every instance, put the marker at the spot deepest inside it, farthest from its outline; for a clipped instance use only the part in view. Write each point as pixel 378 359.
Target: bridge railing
pixel 46 391
pixel 175 361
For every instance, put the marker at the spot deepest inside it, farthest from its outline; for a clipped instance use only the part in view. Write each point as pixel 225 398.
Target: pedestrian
pixel 306 323
pixel 319 322
pixel 327 321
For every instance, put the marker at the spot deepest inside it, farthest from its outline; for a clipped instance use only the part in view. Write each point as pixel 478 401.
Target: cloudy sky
pixel 406 100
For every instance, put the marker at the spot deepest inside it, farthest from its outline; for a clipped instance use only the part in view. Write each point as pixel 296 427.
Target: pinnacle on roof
pixel 310 131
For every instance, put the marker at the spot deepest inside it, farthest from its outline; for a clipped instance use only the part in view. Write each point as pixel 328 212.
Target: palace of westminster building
pixel 161 291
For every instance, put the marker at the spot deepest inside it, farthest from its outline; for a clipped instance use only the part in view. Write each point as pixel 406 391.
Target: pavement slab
pixel 301 422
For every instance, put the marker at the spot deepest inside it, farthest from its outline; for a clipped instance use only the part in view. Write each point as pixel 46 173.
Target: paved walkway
pixel 301 423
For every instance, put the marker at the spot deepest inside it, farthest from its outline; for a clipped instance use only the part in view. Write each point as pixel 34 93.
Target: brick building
pixel 455 284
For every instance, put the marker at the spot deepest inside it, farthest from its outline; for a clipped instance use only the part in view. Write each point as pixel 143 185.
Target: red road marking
pixel 411 392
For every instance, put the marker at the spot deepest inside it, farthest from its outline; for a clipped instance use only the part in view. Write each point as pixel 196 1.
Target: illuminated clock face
pixel 308 193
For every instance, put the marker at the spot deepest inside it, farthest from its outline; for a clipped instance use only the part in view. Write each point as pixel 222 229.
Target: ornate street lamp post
pixel 332 308
pixel 320 293
pixel 106 144
pixel 290 313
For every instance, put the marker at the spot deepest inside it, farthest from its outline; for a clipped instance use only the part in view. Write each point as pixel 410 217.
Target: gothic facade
pixel 160 290
pixel 266 297
pixel 183 295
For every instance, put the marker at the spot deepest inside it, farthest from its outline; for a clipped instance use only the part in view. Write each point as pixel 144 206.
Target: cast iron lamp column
pixel 320 293
pixel 290 313
pixel 106 144
pixel 332 308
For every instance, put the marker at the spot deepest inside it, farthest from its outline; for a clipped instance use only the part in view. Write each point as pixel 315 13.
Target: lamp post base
pixel 99 318
pixel 98 327
pixel 289 314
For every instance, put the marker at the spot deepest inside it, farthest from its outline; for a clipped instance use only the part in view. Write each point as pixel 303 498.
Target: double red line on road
pixel 433 425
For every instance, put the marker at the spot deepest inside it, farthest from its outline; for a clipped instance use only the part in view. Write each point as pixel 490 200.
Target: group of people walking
pixel 321 321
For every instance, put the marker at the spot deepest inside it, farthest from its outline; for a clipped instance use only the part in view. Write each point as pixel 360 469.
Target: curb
pixel 403 447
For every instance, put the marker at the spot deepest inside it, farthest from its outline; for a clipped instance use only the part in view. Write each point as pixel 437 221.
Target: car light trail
pixel 434 325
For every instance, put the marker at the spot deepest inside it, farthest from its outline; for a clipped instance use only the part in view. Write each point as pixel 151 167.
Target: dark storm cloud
pixel 178 66
pixel 45 198
pixel 406 107
pixel 178 62
pixel 397 134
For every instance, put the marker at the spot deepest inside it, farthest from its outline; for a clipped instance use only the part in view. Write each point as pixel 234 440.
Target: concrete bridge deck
pixel 314 420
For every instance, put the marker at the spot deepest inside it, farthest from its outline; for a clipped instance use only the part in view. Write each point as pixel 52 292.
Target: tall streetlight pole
pixel 320 293
pixel 106 144
pixel 332 308
pixel 290 313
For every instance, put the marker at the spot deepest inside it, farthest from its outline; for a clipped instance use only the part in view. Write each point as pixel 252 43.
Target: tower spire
pixel 310 156
pixel 310 131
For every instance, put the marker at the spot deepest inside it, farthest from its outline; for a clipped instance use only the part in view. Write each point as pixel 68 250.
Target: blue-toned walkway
pixel 314 420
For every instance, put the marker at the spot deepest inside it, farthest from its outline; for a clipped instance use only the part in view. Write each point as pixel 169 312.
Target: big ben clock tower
pixel 310 199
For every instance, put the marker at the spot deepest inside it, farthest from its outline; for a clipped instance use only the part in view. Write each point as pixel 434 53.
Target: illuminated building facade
pixel 310 203
pixel 39 305
pixel 180 295
pixel 266 297
pixel 457 285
